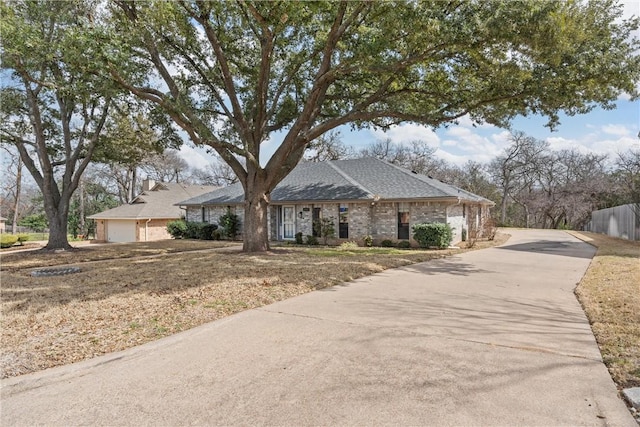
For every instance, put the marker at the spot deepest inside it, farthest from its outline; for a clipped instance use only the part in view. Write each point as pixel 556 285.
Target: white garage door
pixel 121 230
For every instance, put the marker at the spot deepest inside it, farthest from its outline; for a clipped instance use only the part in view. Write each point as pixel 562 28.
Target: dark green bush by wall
pixel 436 235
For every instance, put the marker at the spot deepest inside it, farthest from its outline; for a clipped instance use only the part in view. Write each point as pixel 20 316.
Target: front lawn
pixel 610 295
pixel 128 294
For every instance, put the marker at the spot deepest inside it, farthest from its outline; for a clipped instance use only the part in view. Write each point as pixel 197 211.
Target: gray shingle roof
pixel 348 180
pixel 159 202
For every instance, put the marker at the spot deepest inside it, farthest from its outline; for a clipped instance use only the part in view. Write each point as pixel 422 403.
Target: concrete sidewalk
pixel 490 337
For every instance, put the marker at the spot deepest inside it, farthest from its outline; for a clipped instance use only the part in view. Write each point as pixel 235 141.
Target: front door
pixel 288 222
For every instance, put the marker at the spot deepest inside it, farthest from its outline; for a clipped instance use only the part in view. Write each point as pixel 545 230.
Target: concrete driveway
pixel 491 337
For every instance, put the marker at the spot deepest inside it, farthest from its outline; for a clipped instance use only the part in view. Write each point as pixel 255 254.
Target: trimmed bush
pixel 387 243
pixel 436 235
pixel 177 229
pixel 229 225
pixel 208 232
pixel 200 230
pixel 299 239
pixel 368 241
pixel 404 244
pixel 312 240
pixel 8 240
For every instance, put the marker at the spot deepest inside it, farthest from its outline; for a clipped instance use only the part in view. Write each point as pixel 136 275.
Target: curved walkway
pixel 490 337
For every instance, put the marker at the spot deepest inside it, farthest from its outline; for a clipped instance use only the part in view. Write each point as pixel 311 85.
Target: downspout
pixel 146 227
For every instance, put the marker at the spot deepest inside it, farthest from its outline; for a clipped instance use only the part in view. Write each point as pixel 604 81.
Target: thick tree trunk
pixel 16 205
pixel 58 232
pixel 503 208
pixel 255 227
pixel 81 221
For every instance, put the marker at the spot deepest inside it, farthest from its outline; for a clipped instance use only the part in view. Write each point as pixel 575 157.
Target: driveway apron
pixel 489 337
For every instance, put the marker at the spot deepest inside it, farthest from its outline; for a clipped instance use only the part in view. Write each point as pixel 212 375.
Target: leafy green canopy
pixel 235 72
pixel 53 104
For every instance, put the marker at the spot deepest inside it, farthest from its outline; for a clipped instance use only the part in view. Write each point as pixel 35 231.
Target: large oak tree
pixel 53 108
pixel 231 74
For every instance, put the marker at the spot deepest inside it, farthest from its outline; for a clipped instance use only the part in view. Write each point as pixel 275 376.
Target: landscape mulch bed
pixel 129 294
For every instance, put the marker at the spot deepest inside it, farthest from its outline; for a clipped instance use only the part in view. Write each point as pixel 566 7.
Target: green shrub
pixel 208 232
pixel 348 246
pixel 368 241
pixel 299 239
pixel 404 244
pixel 177 228
pixel 386 243
pixel 8 240
pixel 312 240
pixel 437 235
pixel 23 238
pixel 193 230
pixel 197 230
pixel 229 225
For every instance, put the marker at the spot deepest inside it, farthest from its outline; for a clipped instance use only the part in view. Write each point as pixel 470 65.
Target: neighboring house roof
pixel 349 180
pixel 158 202
pixel 2 218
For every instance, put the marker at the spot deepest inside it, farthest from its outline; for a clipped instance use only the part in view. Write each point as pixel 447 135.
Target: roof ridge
pixel 350 179
pixel 427 179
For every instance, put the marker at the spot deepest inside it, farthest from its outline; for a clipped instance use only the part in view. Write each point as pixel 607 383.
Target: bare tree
pixel 568 187
pixel 416 155
pixel 514 171
pixel 328 147
pixel 627 175
pixel 166 167
pixel 218 173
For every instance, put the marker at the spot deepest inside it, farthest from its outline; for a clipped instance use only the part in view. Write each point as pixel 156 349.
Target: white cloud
pixel 465 121
pixel 557 143
pixel 407 133
pixel 194 157
pixel 617 130
pixel 451 158
pixel 478 147
pixel 610 147
pixel 624 96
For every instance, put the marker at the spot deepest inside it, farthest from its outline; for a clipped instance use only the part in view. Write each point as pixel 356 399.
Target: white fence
pixel 621 221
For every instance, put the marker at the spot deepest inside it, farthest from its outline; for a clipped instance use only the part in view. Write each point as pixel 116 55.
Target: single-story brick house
pixel 364 197
pixel 146 217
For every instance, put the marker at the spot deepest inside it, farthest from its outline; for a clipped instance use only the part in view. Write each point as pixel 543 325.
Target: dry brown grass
pixel 610 295
pixel 128 294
